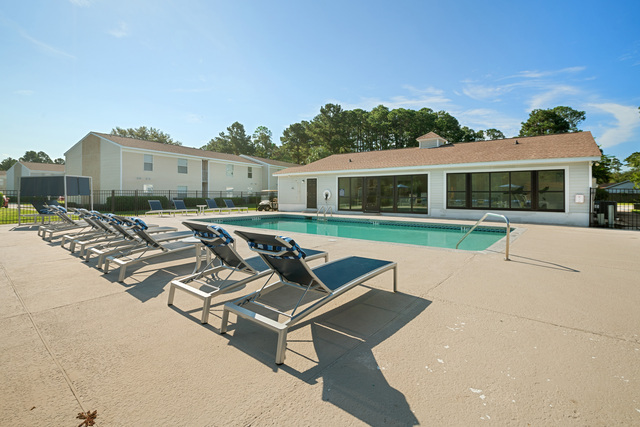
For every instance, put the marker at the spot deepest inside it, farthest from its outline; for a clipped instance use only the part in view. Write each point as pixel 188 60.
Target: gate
pixel 615 208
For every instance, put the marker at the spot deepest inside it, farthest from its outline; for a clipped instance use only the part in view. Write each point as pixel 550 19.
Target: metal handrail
pixel 506 252
pixel 326 209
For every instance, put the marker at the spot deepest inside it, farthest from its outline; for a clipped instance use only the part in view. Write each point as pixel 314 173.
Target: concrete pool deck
pixel 550 338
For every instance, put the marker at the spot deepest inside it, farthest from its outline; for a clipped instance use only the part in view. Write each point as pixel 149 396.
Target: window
pixel 183 166
pixel 403 193
pixel 229 170
pixel 522 190
pixel 148 188
pixel 148 162
pixel 182 191
pixel 249 172
pixel 550 193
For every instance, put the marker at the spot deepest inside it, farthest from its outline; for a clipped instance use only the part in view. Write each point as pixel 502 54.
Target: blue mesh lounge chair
pixel 315 286
pixel 182 208
pixel 213 206
pixel 232 206
pixel 152 249
pixel 130 240
pixel 47 232
pixel 209 283
pixel 116 233
pixel 156 208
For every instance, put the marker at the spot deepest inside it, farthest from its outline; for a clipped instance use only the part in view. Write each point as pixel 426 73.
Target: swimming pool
pixel 414 233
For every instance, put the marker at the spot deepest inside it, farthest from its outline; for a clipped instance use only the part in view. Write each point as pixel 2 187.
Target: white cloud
pixel 485 118
pixel 81 3
pixel 545 99
pixel 42 45
pixel 429 97
pixel 194 118
pixel 121 31
pixel 627 120
pixel 24 92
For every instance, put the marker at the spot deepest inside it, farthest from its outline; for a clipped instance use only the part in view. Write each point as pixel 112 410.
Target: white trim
pixel 410 169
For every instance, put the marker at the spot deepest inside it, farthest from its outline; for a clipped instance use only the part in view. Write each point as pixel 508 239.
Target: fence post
pixel 113 201
pixel 135 203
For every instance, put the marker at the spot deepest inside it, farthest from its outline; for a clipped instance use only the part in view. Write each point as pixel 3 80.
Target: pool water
pixel 414 233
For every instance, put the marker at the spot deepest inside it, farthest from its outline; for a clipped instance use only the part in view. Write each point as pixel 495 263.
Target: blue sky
pixel 192 68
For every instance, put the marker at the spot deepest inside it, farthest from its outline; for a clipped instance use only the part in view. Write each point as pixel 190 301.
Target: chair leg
pixel 172 294
pixel 225 321
pixel 282 346
pixel 205 310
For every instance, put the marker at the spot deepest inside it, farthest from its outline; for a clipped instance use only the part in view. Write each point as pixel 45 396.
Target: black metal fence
pixel 125 202
pixel 615 208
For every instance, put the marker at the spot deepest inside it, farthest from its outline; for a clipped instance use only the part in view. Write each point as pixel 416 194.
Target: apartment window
pixel 148 162
pixel 148 188
pixel 249 172
pixel 522 190
pixel 229 170
pixel 182 166
pixel 182 191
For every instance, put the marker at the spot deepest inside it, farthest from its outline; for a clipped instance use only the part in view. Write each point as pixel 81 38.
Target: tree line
pixel 335 130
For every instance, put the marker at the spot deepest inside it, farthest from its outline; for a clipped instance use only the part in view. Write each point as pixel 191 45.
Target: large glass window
pixel 404 193
pixel 386 194
pixel 521 190
pixel 419 190
pixel 344 194
pixel 457 190
pixel 551 190
pixel 356 193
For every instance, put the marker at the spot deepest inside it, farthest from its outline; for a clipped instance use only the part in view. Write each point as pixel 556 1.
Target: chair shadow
pixel 152 286
pixel 343 340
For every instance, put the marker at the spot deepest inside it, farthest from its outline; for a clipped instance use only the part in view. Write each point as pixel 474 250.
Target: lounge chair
pixel 208 283
pixel 152 249
pixel 47 232
pixel 156 208
pixel 116 234
pixel 130 240
pixel 182 208
pixel 213 206
pixel 317 286
pixel 100 230
pixel 232 206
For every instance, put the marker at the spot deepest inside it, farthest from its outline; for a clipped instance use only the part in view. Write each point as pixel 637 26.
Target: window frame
pixel 185 166
pixel 145 162
pixel 531 195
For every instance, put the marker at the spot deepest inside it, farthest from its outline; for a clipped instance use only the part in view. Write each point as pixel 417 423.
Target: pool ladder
pixel 506 251
pixel 326 209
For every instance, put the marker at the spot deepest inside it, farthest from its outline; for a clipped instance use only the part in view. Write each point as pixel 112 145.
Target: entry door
pixel 372 194
pixel 312 193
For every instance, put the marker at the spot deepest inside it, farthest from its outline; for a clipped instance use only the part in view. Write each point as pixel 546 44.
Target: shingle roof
pixel 559 146
pixel 173 149
pixel 273 162
pixel 430 135
pixel 48 167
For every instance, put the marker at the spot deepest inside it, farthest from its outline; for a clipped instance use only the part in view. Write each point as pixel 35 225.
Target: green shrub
pixel 128 203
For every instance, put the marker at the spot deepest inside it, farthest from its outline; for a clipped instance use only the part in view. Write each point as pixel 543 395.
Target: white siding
pixel 292 191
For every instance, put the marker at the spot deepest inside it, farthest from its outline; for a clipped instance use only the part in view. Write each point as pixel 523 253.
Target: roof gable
pixel 45 167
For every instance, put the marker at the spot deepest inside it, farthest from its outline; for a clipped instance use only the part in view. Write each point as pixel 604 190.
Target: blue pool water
pixel 414 233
